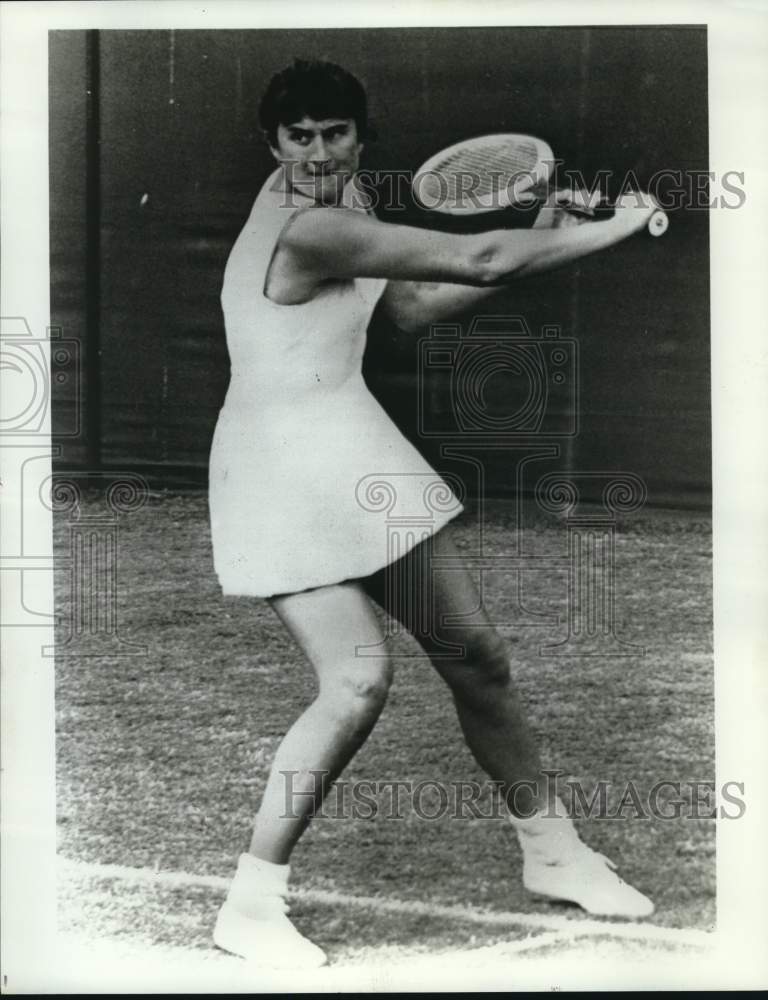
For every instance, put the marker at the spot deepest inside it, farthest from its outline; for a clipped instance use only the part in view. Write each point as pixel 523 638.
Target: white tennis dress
pixel 310 481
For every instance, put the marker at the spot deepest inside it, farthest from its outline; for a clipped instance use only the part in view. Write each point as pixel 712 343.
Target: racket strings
pixel 481 171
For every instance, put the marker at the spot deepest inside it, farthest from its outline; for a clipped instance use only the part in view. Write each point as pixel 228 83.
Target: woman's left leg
pixel 478 671
pixel 428 600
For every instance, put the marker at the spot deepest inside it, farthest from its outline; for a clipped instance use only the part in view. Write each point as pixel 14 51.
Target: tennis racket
pixel 492 173
pixel 486 174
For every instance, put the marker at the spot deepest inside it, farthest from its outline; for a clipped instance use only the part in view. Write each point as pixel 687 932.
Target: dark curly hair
pixel 315 89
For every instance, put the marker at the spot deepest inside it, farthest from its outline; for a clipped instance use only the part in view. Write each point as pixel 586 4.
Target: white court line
pixel 574 926
pixel 545 940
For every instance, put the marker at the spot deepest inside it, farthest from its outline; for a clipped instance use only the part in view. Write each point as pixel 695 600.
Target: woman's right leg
pixel 329 624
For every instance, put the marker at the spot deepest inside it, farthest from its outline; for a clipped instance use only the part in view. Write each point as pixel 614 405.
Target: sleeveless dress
pixel 311 483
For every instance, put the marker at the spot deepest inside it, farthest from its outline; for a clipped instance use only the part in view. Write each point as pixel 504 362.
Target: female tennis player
pixel 297 440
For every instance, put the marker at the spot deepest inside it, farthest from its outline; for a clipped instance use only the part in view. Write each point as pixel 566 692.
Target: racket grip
pixel 658 223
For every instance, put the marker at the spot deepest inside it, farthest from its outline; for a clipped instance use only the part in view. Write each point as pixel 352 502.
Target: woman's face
pixel 319 157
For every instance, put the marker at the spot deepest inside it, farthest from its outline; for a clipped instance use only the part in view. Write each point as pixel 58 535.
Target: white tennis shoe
pixel 253 922
pixel 269 940
pixel 588 879
pixel 557 864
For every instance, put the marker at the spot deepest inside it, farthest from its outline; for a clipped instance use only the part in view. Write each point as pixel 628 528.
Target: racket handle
pixel 658 223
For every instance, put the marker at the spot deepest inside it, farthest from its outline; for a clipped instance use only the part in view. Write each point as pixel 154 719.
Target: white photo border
pixel 738 81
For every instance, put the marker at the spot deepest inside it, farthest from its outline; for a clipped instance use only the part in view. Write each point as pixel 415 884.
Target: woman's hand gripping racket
pixel 572 208
pixel 496 172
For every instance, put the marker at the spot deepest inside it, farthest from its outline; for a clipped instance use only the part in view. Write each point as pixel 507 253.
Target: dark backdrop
pixel 156 159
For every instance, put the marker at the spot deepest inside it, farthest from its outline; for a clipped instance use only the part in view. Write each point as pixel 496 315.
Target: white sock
pixel 256 885
pixel 548 836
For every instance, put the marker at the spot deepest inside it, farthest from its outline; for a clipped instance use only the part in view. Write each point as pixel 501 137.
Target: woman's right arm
pixel 342 243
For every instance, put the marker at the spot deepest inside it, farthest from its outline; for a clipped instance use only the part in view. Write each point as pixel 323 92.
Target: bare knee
pixel 488 659
pixel 357 694
pixel 483 668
